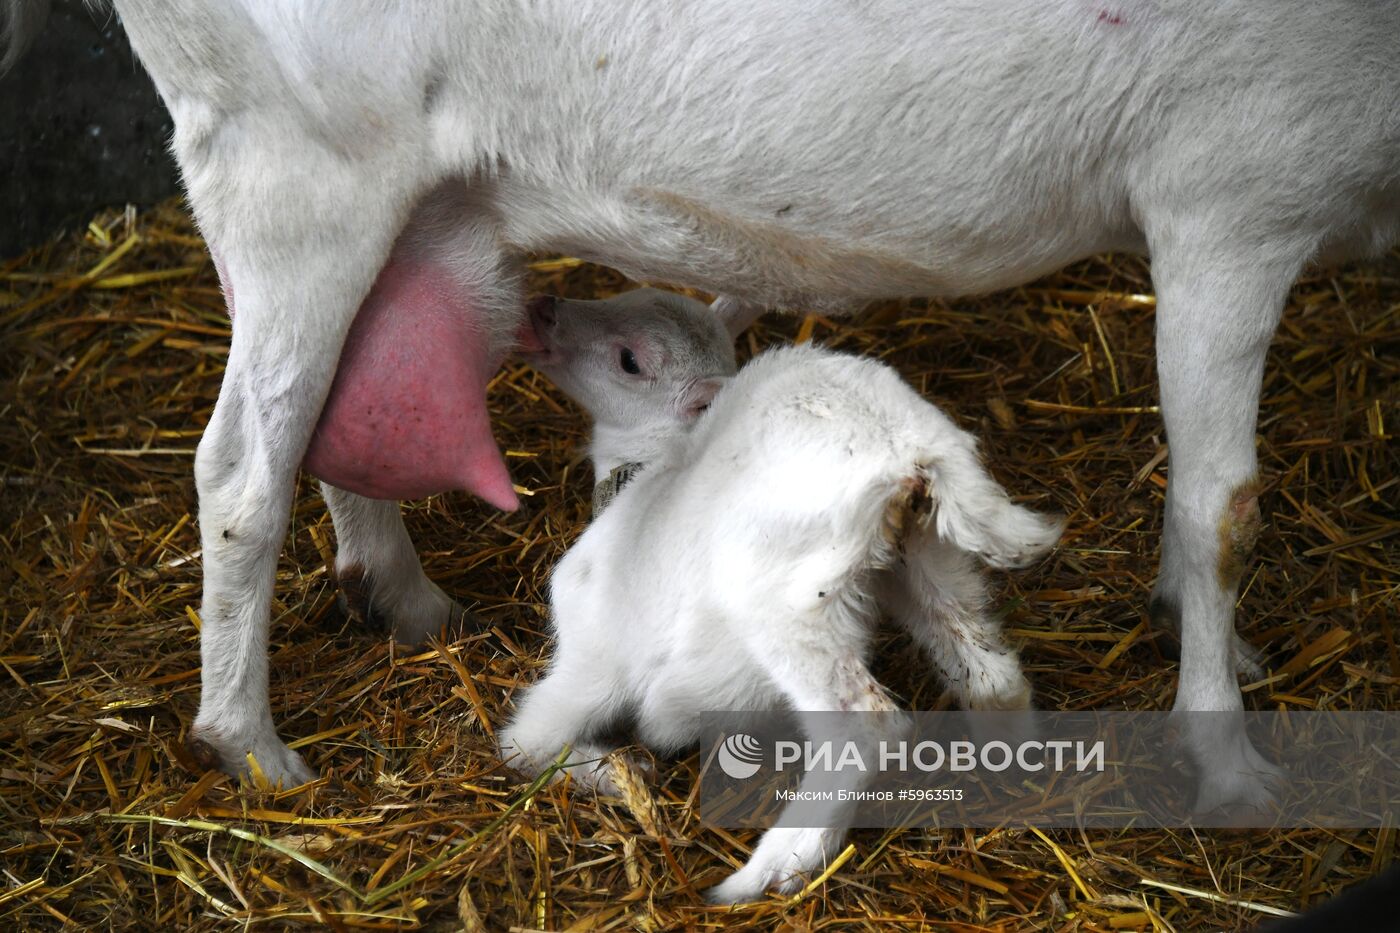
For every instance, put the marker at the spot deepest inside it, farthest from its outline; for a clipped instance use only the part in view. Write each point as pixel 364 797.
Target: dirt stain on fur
pixel 911 505
pixel 1239 529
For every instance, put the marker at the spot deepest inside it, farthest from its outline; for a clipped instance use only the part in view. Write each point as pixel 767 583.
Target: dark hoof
pixel 204 755
pixel 353 590
pixel 1165 616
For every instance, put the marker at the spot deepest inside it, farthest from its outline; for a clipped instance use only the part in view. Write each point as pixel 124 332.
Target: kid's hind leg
pixel 816 658
pixel 939 596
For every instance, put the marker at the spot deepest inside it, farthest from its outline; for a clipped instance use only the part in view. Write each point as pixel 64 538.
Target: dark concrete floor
pixel 81 128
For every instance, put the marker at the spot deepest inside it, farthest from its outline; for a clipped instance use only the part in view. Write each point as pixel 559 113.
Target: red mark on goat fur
pixel 1112 19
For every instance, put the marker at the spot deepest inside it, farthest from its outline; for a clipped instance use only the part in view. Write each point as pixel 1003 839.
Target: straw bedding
pixel 113 345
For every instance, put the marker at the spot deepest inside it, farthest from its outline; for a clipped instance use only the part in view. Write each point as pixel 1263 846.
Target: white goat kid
pixel 746 561
pixel 791 153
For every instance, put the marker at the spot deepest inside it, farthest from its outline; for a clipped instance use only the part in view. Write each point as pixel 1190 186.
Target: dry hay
pixel 114 342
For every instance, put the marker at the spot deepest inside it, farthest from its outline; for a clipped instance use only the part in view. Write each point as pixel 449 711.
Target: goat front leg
pixel 299 233
pixel 1214 323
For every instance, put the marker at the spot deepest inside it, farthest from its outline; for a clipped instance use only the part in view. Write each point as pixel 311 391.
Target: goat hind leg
pixel 300 234
pixel 377 569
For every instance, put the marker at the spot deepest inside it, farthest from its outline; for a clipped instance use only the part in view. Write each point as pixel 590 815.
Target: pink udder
pixel 406 416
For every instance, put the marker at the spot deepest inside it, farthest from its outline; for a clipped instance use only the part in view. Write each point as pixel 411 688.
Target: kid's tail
pixel 971 511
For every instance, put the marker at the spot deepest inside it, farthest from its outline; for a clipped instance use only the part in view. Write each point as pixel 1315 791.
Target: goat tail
pixel 20 22
pixel 952 491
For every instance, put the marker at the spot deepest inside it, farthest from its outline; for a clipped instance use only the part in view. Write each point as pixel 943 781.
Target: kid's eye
pixel 629 362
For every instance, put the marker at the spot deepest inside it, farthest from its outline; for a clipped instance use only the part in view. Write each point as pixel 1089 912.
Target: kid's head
pixel 642 358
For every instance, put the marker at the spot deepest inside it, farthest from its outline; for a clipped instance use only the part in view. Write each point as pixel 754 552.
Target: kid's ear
pixel 696 397
pixel 736 315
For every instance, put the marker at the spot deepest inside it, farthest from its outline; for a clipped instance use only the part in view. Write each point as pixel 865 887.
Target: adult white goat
pixel 357 163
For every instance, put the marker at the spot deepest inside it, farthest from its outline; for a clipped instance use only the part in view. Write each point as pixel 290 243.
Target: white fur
pixel 786 152
pixel 746 565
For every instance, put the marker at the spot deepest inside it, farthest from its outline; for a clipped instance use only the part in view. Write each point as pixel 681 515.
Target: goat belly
pixel 406 416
